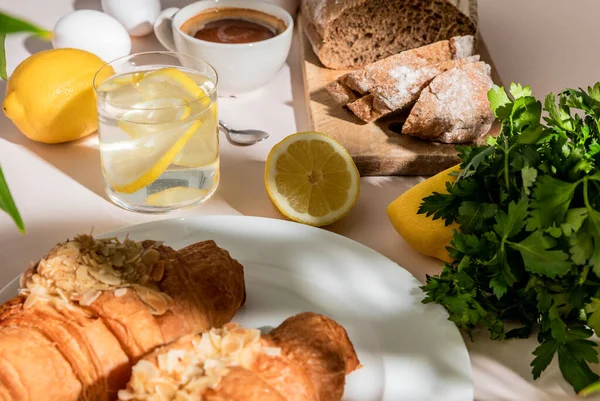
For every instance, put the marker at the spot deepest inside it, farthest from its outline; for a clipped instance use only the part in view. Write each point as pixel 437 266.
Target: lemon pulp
pixel 310 178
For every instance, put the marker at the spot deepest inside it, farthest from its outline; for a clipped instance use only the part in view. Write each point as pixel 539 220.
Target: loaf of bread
pixel 348 34
pixel 91 309
pixel 454 108
pixel 306 358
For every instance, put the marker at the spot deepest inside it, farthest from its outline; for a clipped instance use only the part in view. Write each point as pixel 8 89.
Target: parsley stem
pixel 585 194
pixel 506 152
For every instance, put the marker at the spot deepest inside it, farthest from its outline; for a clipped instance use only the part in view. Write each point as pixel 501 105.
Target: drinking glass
pixel 158 131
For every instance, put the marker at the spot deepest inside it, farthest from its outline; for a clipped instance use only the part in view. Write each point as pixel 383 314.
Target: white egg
pixel 93 31
pixel 137 16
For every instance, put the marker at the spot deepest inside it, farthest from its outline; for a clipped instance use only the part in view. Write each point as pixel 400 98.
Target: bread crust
pixel 441 19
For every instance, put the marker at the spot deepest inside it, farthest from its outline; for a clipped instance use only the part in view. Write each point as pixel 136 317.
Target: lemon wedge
pixel 175 196
pixel 201 149
pixel 310 178
pixel 134 164
pixel 169 82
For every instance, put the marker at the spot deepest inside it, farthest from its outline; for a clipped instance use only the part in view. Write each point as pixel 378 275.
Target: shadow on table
pixel 87 5
pixel 297 81
pixel 242 187
pixel 17 251
pixel 33 44
pixel 80 160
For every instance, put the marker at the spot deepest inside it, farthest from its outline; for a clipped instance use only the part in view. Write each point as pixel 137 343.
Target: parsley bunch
pixel 528 248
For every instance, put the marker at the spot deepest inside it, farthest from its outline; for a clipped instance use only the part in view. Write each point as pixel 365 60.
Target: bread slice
pixel 350 34
pixel 454 108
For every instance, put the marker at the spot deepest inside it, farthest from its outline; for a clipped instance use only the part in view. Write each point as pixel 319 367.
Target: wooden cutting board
pixel 376 149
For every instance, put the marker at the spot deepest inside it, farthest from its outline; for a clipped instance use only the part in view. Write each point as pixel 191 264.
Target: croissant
pixel 306 358
pixel 92 308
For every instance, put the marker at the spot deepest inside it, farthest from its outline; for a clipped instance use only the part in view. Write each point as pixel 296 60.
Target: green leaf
pixel 575 368
pixel 593 228
pixel 594 318
pixel 519 91
pixel 574 220
pixel 508 226
pixel 8 205
pixel 583 350
pixel 3 74
pixel 528 175
pixel 559 117
pixel 551 200
pixel 9 24
pixel 470 168
pixel 440 206
pixel 500 103
pixel 471 215
pixel 594 91
pixel 504 278
pixel 525 119
pixel 539 259
pixel 544 354
pixel 581 246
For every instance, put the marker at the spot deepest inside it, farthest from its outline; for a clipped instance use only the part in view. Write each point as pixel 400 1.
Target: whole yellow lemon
pixel 50 97
pixel 427 236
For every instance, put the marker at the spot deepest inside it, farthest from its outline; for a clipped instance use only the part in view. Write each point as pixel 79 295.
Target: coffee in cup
pixel 233 25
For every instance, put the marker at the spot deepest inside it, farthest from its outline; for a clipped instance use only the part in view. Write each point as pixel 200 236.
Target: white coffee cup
pixel 242 68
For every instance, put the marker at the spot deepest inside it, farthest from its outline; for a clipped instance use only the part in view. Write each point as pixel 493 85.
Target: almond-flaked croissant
pixel 306 358
pixel 91 308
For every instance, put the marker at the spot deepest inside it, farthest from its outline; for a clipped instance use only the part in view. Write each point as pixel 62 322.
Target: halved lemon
pixel 175 196
pixel 310 178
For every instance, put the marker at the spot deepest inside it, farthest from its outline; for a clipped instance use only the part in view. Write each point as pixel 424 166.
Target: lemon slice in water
pixel 175 196
pixel 132 165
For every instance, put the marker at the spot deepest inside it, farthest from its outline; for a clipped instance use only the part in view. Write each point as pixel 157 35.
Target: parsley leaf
pixel 544 354
pixel 528 175
pixel 499 101
pixel 518 91
pixel 438 205
pixel 551 200
pixel 509 225
pixel 471 215
pixel 539 259
pixel 572 363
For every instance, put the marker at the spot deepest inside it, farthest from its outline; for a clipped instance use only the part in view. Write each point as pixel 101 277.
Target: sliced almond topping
pixel 78 270
pixel 182 375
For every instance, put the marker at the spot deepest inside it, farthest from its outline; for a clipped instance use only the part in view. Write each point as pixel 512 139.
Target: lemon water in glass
pixel 158 131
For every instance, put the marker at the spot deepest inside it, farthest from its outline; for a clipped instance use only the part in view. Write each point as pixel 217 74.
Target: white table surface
pixel 549 44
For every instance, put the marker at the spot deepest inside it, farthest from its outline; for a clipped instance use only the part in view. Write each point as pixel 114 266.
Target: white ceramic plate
pixel 410 351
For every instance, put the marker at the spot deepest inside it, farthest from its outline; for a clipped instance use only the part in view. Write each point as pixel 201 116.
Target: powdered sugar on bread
pixel 454 108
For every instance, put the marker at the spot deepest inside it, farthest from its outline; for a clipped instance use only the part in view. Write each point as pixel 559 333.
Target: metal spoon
pixel 243 137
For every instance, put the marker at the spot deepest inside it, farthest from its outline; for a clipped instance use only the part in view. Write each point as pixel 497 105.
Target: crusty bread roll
pixel 454 108
pixel 306 358
pixel 91 308
pixel 348 34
